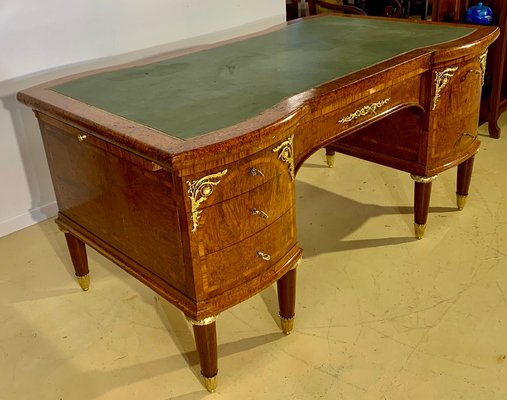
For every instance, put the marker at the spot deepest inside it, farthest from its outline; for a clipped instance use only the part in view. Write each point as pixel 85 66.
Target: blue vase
pixel 479 14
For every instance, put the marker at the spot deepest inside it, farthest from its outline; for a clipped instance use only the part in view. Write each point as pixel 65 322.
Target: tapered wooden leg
pixel 79 259
pixel 330 157
pixel 463 181
pixel 205 335
pixel 287 300
pixel 422 194
pixel 493 128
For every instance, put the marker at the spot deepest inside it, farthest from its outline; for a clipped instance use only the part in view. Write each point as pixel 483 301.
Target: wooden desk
pixel 181 168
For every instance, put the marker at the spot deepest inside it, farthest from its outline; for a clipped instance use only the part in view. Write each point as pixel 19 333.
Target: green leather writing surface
pixel 208 90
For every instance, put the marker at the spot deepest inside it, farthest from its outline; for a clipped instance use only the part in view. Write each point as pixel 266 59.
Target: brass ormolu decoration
pixel 259 213
pixel 84 281
pixel 287 324
pixel 419 230
pixel 199 191
pixel 482 60
pixel 423 179
pixel 254 171
pixel 461 200
pixel 204 321
pixel 369 109
pixel 264 256
pixel 286 154
pixel 441 80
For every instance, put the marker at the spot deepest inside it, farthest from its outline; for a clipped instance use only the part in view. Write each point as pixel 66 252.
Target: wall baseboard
pixel 28 218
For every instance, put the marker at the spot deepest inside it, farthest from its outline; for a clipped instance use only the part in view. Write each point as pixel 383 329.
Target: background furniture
pixel 345 8
pixel 494 97
pixel 386 8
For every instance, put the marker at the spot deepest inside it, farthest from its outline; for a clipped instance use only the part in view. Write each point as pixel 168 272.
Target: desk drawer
pixel 230 180
pixel 233 220
pixel 354 112
pixel 227 268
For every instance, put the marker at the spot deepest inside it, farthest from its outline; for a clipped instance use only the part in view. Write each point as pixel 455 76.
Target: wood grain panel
pixel 117 200
pixel 233 220
pixel 239 263
pixel 460 102
pixel 241 176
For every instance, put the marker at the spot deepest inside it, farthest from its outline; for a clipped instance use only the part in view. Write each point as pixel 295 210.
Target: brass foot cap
pixel 419 230
pixel 84 282
pixel 461 200
pixel 330 161
pixel 210 383
pixel 287 324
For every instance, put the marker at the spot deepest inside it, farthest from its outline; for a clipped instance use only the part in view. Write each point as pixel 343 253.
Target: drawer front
pixel 354 112
pixel 233 220
pixel 230 180
pixel 225 269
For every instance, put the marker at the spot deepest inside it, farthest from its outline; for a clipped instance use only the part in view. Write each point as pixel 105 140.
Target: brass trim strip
pixel 423 179
pixel 204 321
pixel 441 80
pixel 369 109
pixel 296 264
pixel 199 191
pixel 286 154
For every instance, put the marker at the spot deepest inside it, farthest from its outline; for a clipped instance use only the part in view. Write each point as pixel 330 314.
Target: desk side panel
pixel 119 198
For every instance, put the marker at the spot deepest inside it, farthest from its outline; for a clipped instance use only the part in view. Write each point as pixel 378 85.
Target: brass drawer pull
pixel 255 171
pixel 264 256
pixel 260 213
pixel 81 137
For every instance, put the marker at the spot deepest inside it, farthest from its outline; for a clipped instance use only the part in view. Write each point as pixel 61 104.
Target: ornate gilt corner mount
pixel 199 191
pixel 482 60
pixel 286 154
pixel 441 80
pixel 369 109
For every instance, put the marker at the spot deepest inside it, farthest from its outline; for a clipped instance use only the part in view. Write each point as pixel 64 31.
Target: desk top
pixel 212 89
pixel 217 104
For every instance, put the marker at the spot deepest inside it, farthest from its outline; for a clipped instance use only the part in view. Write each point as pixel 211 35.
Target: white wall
pixel 44 40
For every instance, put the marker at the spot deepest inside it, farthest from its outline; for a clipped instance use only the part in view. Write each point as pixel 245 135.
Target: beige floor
pixel 380 315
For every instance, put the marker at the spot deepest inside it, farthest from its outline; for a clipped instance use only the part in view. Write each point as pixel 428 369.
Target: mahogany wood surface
pixel 206 344
pixel 494 101
pixel 464 177
pixel 286 286
pixel 422 194
pixel 179 214
pixel 78 256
